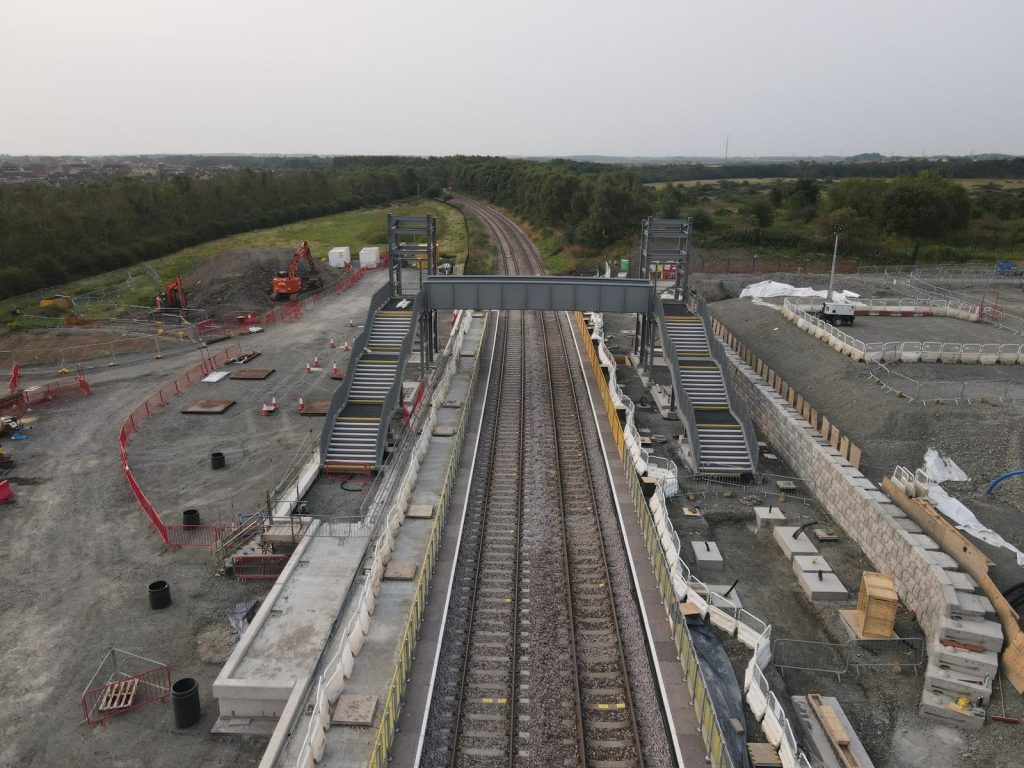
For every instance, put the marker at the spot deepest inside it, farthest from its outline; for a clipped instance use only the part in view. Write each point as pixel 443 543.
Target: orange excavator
pixel 173 297
pixel 287 283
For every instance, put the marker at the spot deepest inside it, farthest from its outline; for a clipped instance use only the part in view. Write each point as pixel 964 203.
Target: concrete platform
pixel 822 586
pixel 987 634
pixel 707 555
pixel 801 545
pixel 767 516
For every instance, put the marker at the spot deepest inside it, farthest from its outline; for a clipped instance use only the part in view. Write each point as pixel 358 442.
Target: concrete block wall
pixel 856 505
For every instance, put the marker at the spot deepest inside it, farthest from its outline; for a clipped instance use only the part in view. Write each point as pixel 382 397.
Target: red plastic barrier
pixel 146 408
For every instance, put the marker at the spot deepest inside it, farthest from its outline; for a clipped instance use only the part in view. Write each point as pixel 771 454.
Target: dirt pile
pixel 239 279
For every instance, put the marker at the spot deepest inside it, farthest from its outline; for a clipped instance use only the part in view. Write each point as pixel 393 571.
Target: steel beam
pixel 585 294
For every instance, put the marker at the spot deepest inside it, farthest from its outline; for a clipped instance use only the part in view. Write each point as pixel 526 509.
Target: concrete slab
pixel 420 511
pixel 767 516
pixel 822 586
pixel 801 545
pixel 987 634
pixel 810 563
pixel 707 555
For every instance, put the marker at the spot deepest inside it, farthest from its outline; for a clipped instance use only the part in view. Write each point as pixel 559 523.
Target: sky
pixel 519 77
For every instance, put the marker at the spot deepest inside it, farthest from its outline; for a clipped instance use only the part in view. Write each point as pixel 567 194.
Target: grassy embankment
pixel 137 285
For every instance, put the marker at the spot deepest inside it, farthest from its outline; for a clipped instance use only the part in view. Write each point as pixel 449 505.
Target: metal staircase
pixel 718 428
pixel 355 432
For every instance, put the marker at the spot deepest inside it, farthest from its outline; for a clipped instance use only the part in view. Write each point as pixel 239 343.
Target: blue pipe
pixel 998 480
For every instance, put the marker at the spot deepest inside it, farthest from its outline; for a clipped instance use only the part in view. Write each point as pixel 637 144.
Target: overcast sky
pixel 519 77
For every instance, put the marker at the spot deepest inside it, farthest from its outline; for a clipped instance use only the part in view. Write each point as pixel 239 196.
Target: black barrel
pixel 159 595
pixel 217 460
pixel 191 517
pixel 185 700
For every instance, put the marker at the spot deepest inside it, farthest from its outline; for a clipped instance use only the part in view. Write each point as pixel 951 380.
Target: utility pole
pixel 837 229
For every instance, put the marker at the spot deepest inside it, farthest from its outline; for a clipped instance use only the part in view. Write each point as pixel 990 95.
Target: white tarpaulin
pixel 941 468
pixel 767 289
pixel 967 522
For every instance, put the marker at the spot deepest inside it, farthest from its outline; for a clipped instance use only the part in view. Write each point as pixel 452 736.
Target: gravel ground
pixel 881 705
pixel 76 555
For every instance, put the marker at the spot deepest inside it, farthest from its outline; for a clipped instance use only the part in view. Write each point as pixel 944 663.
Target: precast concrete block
pixel 821 585
pixel 976 687
pixel 963 661
pixel 707 555
pixel 987 634
pixel 767 516
pixel 934 705
pixel 801 545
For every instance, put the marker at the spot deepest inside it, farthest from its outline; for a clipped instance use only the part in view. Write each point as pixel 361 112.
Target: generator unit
pixel 836 313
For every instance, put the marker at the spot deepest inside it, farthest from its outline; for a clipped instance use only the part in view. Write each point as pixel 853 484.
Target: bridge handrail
pixel 395 393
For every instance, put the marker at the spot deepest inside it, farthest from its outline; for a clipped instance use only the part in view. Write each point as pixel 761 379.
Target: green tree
pixel 925 205
pixel 759 211
pixel 668 202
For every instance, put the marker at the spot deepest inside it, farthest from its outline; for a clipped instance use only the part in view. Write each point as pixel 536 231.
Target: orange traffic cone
pixel 350 322
pixel 265 411
pixel 273 402
pixel 334 369
pixel 333 345
pixel 316 361
pixel 347 348
pixel 308 369
pixel 302 405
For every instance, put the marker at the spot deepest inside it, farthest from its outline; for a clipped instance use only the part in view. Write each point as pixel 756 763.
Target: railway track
pixel 533 669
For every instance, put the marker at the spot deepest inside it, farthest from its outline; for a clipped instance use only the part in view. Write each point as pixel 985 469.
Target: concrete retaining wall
pixel 854 502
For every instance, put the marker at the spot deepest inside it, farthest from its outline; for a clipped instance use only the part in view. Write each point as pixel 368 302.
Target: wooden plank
pixel 119 695
pixel 826 428
pixel 316 408
pixel 834 731
pixel 855 456
pixel 214 407
pixel 254 374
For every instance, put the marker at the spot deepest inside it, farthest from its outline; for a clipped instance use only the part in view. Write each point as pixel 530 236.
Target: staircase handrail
pixel 340 397
pixel 684 408
pixel 395 392
pixel 736 404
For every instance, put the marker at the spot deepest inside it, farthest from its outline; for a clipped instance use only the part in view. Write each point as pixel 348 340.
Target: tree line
pixel 52 234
